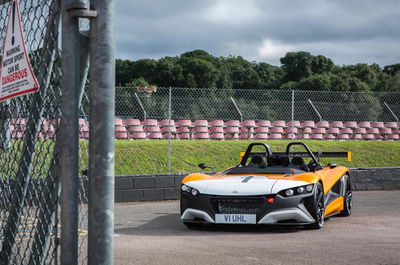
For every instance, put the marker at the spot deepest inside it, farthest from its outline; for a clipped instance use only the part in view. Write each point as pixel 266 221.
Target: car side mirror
pixel 332 165
pixel 202 166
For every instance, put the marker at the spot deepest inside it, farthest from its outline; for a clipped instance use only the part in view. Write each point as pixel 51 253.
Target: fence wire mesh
pixel 144 114
pixel 252 104
pixel 29 180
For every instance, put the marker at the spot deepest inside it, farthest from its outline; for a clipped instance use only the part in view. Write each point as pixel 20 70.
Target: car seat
pixel 278 160
pixel 298 162
pixel 257 161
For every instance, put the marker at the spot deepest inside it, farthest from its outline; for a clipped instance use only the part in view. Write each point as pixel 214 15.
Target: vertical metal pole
pixel 391 112
pixel 69 129
pixel 141 106
pixel 292 113
pixel 169 129
pixel 237 109
pixel 101 141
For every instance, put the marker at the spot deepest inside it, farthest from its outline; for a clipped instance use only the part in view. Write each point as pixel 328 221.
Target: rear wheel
pixel 318 207
pixel 348 199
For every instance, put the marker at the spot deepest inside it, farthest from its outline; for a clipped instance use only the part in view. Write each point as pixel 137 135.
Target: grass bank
pixel 146 157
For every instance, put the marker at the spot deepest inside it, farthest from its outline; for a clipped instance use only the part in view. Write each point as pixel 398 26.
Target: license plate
pixel 235 218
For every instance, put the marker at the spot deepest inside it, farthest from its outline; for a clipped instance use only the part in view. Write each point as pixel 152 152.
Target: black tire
pixel 193 225
pixel 348 199
pixel 318 209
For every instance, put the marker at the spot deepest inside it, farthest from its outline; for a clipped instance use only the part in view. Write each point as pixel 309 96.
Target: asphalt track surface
pixel 151 233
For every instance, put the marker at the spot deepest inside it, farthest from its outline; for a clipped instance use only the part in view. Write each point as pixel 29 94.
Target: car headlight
pixel 297 190
pixel 189 190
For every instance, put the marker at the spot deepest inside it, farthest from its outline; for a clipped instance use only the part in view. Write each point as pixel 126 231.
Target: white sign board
pixel 16 73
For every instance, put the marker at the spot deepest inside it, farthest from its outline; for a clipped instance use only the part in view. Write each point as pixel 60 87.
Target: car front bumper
pixel 202 208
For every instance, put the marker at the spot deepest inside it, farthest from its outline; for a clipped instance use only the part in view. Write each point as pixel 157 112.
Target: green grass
pixel 146 157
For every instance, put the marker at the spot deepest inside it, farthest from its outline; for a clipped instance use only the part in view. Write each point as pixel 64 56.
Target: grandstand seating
pixel 135 129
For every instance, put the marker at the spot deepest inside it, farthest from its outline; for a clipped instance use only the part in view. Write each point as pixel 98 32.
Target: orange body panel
pixel 335 206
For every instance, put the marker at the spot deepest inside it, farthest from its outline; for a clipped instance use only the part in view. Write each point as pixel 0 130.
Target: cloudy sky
pixel 347 31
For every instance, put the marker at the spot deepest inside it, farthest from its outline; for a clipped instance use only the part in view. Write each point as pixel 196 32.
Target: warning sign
pixel 16 73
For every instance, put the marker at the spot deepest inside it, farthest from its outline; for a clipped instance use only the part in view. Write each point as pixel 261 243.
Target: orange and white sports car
pixel 269 188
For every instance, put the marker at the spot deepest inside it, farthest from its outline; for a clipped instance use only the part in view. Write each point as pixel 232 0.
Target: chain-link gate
pixel 29 133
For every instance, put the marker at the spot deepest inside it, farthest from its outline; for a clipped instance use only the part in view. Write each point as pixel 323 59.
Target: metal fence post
pixel 101 141
pixel 69 129
pixel 292 114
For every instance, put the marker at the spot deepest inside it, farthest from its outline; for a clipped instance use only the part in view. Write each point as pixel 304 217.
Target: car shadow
pixel 171 225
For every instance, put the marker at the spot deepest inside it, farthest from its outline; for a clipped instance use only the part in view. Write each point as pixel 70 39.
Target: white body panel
pixel 243 185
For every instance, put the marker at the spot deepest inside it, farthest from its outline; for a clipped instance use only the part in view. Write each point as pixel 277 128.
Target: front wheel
pixel 318 207
pixel 348 199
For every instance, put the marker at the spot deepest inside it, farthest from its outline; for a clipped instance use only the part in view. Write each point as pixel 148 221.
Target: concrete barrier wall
pixel 166 187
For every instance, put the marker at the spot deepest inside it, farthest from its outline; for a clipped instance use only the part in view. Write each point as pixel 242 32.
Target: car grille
pixel 237 206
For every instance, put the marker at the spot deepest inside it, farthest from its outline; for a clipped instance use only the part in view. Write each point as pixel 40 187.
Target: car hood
pixel 243 185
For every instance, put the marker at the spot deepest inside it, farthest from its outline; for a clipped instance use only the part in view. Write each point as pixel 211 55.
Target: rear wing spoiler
pixel 347 155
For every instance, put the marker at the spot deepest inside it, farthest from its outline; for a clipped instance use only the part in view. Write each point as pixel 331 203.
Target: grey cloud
pixel 365 31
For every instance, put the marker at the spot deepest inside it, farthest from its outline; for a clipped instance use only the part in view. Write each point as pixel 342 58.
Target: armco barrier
pixel 154 187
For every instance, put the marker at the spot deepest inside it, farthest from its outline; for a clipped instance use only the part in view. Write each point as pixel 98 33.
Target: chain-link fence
pixel 29 168
pixel 251 104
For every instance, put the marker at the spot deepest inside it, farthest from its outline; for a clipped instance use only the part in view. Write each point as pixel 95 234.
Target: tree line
pixel 298 71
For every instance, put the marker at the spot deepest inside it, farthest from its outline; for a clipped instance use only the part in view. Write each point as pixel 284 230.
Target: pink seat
pixel 232 130
pixel 132 122
pixel 121 135
pixel 137 136
pixel 378 137
pixel 184 136
pixel 200 130
pixel 168 135
pixel 201 136
pixel 329 137
pixel 346 130
pixel 276 130
pixel 150 122
pixel 279 123
pixel 308 124
pixel 392 137
pixel 232 123
pixel 231 136
pixel 136 128
pixel 200 123
pixel 84 135
pixel 275 136
pixel 249 129
pixel 183 130
pixel 373 131
pixel 155 135
pixel 305 136
pixel 120 128
pixel 84 128
pixel 171 129
pixel 290 136
pixel 47 127
pixel 343 137
pixel 217 123
pixel 261 130
pixel 293 124
pixel 336 124
pixel 81 122
pixel 350 124
pixel 386 131
pixel 307 130
pixel 377 124
pixel 117 121
pixel 249 123
pixel 334 130
pixel 263 123
pixel 322 124
pixel 358 136
pixel 217 136
pixel 261 136
pixel 154 129
pixel 369 137
pixel 391 125
pixel 291 130
pixel 244 136
pixel 360 130
pixel 166 123
pixel 364 124
pixel 319 130
pixel 396 131
pixel 316 136
pixel 217 129
pixel 18 121
pixel 186 123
